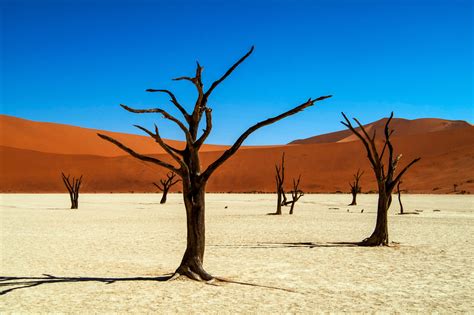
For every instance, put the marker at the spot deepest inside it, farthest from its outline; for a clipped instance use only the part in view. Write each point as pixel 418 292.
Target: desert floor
pixel 114 238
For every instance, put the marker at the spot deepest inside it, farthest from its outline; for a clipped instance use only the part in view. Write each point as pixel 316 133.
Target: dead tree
pixel 385 176
pixel 296 194
pixel 186 161
pixel 279 181
pixel 166 184
pixel 355 187
pixel 73 185
pixel 400 197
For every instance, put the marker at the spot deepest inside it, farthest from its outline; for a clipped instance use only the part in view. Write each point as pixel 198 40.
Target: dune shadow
pixel 9 284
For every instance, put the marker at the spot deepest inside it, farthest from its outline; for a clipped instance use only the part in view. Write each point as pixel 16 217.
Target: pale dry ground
pixel 130 235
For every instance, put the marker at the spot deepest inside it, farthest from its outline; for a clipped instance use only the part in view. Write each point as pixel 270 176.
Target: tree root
pixel 196 273
pixel 254 285
pixel 374 241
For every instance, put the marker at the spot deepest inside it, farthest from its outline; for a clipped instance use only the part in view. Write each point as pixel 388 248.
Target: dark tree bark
pixel 296 194
pixel 399 192
pixel 166 184
pixel 385 176
pixel 279 181
pixel 73 185
pixel 187 161
pixel 355 187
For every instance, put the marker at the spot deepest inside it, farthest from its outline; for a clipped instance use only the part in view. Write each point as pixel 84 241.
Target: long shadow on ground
pixel 16 283
pixel 290 245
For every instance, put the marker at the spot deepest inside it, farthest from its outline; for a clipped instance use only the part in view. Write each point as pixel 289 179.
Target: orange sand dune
pixel 447 159
pixel 402 127
pixel 64 139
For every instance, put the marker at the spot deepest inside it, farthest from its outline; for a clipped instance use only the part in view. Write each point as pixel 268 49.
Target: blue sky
pixel 74 61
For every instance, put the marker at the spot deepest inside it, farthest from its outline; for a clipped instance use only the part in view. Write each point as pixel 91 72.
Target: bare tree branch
pixel 162 144
pixel 66 182
pixel 348 124
pixel 174 101
pixel 165 115
pixel 389 145
pixel 153 135
pixel 141 156
pixel 370 141
pixel 228 72
pixel 229 152
pixel 207 130
pixel 158 186
pixel 399 176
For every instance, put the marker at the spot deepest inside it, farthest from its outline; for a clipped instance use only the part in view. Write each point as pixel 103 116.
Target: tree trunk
pixel 278 211
pixel 74 200
pixel 191 264
pixel 292 207
pixel 400 197
pixel 354 199
pixel 163 198
pixel 380 235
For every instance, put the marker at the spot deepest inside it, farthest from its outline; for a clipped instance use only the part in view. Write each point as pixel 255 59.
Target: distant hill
pixel 33 154
pixel 65 139
pixel 402 127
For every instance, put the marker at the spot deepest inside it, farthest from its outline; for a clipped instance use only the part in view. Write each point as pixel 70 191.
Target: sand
pixel 33 155
pixel 130 235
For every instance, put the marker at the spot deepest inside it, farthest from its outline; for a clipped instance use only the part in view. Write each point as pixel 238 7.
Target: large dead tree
pixel 186 162
pixel 384 170
pixel 355 187
pixel 279 181
pixel 166 184
pixel 73 185
pixel 296 194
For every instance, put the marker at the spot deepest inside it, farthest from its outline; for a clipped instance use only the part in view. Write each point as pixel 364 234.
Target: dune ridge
pixel 447 159
pixel 402 127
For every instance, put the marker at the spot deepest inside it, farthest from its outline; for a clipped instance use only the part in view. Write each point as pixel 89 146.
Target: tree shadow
pixel 16 283
pixel 290 245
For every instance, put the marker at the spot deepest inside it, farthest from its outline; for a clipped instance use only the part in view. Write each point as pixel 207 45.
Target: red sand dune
pixel 447 159
pixel 402 127
pixel 64 139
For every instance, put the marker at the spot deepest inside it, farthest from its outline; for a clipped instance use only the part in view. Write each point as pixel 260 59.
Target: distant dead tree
pixel 73 185
pixel 400 197
pixel 355 187
pixel 279 181
pixel 385 176
pixel 186 161
pixel 166 184
pixel 296 194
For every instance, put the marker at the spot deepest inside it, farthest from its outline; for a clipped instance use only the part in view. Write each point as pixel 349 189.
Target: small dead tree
pixel 166 184
pixel 187 161
pixel 355 187
pixel 279 181
pixel 385 176
pixel 73 185
pixel 296 194
pixel 399 192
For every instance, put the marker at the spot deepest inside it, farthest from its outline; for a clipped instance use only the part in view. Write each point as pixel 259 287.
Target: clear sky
pixel 74 61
